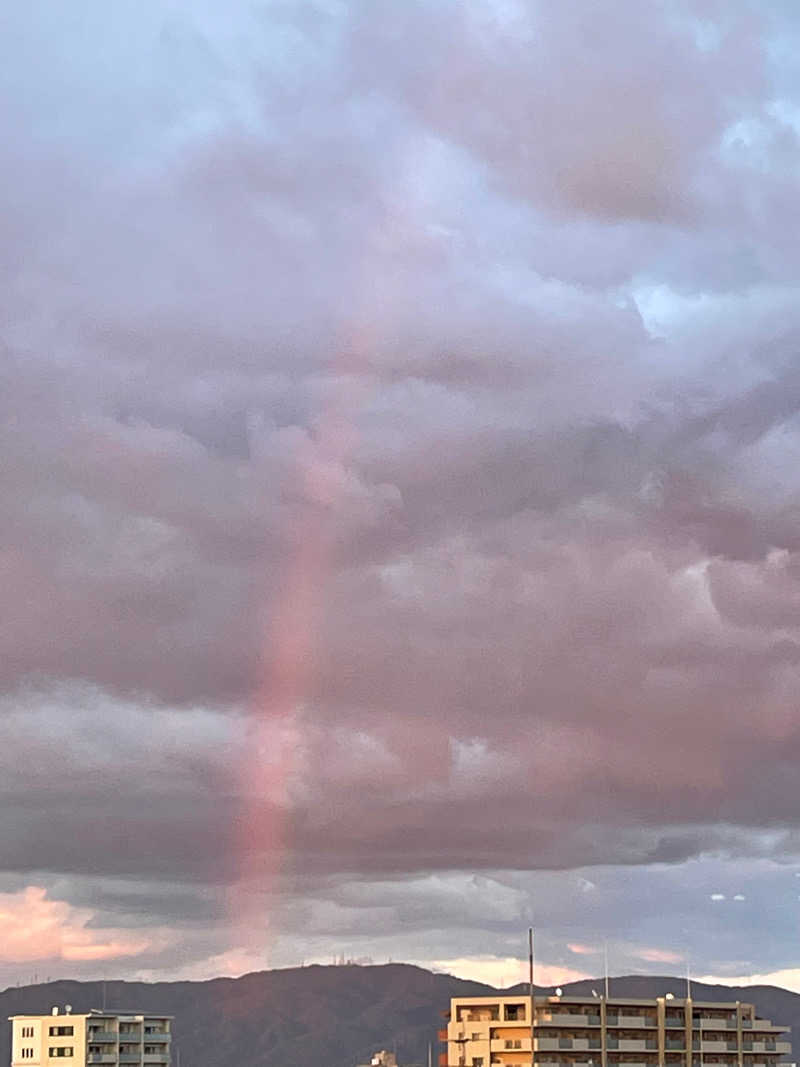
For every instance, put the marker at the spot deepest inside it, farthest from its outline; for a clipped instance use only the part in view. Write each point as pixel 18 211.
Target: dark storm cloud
pixel 489 311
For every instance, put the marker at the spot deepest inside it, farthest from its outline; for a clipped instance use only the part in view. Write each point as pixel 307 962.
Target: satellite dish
pixel 595 993
pixel 67 1008
pixel 559 991
pixel 670 996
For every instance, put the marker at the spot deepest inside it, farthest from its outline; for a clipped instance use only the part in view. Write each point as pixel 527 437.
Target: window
pixel 62 1031
pixel 27 1053
pixel 477 1061
pixel 27 1031
pixel 60 1050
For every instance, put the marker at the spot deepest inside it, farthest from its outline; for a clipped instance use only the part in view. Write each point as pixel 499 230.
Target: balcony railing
pixel 567 1020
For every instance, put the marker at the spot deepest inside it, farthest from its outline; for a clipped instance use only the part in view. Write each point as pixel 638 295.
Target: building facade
pixel 110 1038
pixel 616 1032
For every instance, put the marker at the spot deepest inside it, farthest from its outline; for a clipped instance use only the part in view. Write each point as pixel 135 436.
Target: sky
pixel 400 435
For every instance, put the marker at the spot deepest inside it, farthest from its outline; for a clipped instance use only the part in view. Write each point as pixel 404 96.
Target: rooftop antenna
pixel 531 990
pixel 688 979
pixel 605 966
pixel 430 1055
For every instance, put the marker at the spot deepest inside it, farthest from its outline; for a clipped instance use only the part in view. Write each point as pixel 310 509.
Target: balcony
pixel 158 1038
pixel 101 1057
pixel 632 1045
pixel 565 1063
pixel 161 1056
pixel 130 1057
pixel 99 1036
pixel 714 1046
pixel 567 1020
pixel 675 1044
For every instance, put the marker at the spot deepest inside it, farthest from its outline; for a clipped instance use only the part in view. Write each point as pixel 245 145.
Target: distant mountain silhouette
pixel 327 1016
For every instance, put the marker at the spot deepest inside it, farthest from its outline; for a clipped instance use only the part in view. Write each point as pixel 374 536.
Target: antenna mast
pixel 531 991
pixel 605 966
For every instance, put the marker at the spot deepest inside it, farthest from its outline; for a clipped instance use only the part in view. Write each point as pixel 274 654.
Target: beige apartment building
pixel 111 1038
pixel 616 1032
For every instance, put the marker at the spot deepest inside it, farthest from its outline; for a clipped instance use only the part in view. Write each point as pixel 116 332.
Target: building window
pixel 27 1054
pixel 60 1051
pixel 27 1031
pixel 477 1061
pixel 62 1031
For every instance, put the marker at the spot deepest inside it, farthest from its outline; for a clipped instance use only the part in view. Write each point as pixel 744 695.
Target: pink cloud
pixel 34 927
pixel 659 955
pixel 506 971
pixel 582 950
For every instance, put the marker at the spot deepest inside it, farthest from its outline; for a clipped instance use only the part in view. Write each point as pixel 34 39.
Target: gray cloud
pixel 398 408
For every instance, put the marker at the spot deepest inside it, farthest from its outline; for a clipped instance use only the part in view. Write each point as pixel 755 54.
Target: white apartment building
pixel 111 1038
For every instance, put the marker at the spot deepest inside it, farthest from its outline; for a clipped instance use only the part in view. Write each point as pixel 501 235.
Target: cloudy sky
pixel 400 526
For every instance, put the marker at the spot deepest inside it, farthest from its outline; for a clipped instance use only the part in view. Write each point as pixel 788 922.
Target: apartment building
pixel 110 1038
pixel 616 1032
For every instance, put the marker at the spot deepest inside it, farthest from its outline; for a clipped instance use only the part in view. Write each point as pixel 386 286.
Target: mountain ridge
pixel 329 1015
